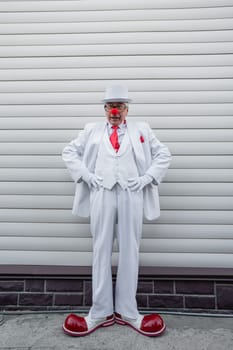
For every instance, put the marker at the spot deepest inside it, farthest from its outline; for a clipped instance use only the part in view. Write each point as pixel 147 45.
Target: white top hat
pixel 116 93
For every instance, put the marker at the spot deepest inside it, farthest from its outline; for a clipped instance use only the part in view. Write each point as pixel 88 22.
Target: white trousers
pixel 108 208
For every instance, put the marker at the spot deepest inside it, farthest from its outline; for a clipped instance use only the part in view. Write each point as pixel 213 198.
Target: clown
pixel 117 166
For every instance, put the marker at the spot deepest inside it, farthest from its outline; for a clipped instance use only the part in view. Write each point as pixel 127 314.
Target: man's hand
pixel 92 180
pixel 138 183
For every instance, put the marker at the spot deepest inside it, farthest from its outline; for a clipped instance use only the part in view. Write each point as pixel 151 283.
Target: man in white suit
pixel 117 166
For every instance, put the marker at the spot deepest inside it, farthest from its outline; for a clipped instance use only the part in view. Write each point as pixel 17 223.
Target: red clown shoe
pixel 78 326
pixel 150 325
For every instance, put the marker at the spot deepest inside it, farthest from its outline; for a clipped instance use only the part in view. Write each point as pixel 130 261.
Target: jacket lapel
pixel 107 142
pixel 124 143
pixel 134 135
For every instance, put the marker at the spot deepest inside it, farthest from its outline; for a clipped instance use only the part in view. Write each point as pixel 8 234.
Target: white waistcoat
pixel 115 167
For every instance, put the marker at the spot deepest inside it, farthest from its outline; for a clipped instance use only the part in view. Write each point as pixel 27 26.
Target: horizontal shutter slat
pixel 119 26
pixel 176 148
pixel 95 112
pixel 48 5
pixel 140 97
pixel 109 38
pixel 128 49
pixel 68 188
pixel 167 202
pixel 146 259
pixel 174 175
pixel 164 135
pixel 75 85
pixel 187 231
pixel 178 162
pixel 147 245
pixel 65 216
pixel 120 72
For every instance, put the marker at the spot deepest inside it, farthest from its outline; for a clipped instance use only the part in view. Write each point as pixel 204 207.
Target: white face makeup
pixel 116 112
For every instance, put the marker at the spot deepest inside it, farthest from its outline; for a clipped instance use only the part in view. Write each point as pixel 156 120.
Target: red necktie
pixel 114 138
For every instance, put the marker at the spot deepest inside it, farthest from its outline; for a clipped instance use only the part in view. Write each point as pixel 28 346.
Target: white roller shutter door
pixel 56 58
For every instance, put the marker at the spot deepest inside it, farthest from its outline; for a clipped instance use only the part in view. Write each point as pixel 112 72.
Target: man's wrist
pixel 85 174
pixel 148 178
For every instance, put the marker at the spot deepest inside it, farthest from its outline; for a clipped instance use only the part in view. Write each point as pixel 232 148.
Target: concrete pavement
pixel 43 332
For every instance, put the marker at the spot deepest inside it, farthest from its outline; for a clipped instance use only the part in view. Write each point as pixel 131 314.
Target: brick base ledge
pixel 155 293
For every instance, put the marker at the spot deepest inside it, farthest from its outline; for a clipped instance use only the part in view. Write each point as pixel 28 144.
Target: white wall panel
pixel 167 202
pixel 147 245
pixel 120 61
pixel 128 49
pixel 166 189
pixel 79 5
pixel 165 135
pixel 138 110
pixel 174 122
pixel 56 57
pixel 121 73
pixel 178 162
pixel 120 15
pixel 217 217
pixel 117 38
pixel 146 259
pixel 118 26
pixel 179 231
pixel 177 148
pixel 141 97
pixel 140 85
pixel 173 175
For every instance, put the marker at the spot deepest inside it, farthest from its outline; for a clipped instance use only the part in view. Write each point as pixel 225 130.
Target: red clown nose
pixel 114 111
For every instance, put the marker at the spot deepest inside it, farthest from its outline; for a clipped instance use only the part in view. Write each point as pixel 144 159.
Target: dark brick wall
pixel 167 294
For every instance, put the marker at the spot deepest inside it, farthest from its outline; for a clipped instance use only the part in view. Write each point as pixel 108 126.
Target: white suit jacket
pixel 152 157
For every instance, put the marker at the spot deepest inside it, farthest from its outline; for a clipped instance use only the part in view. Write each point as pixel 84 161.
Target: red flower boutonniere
pixel 142 139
